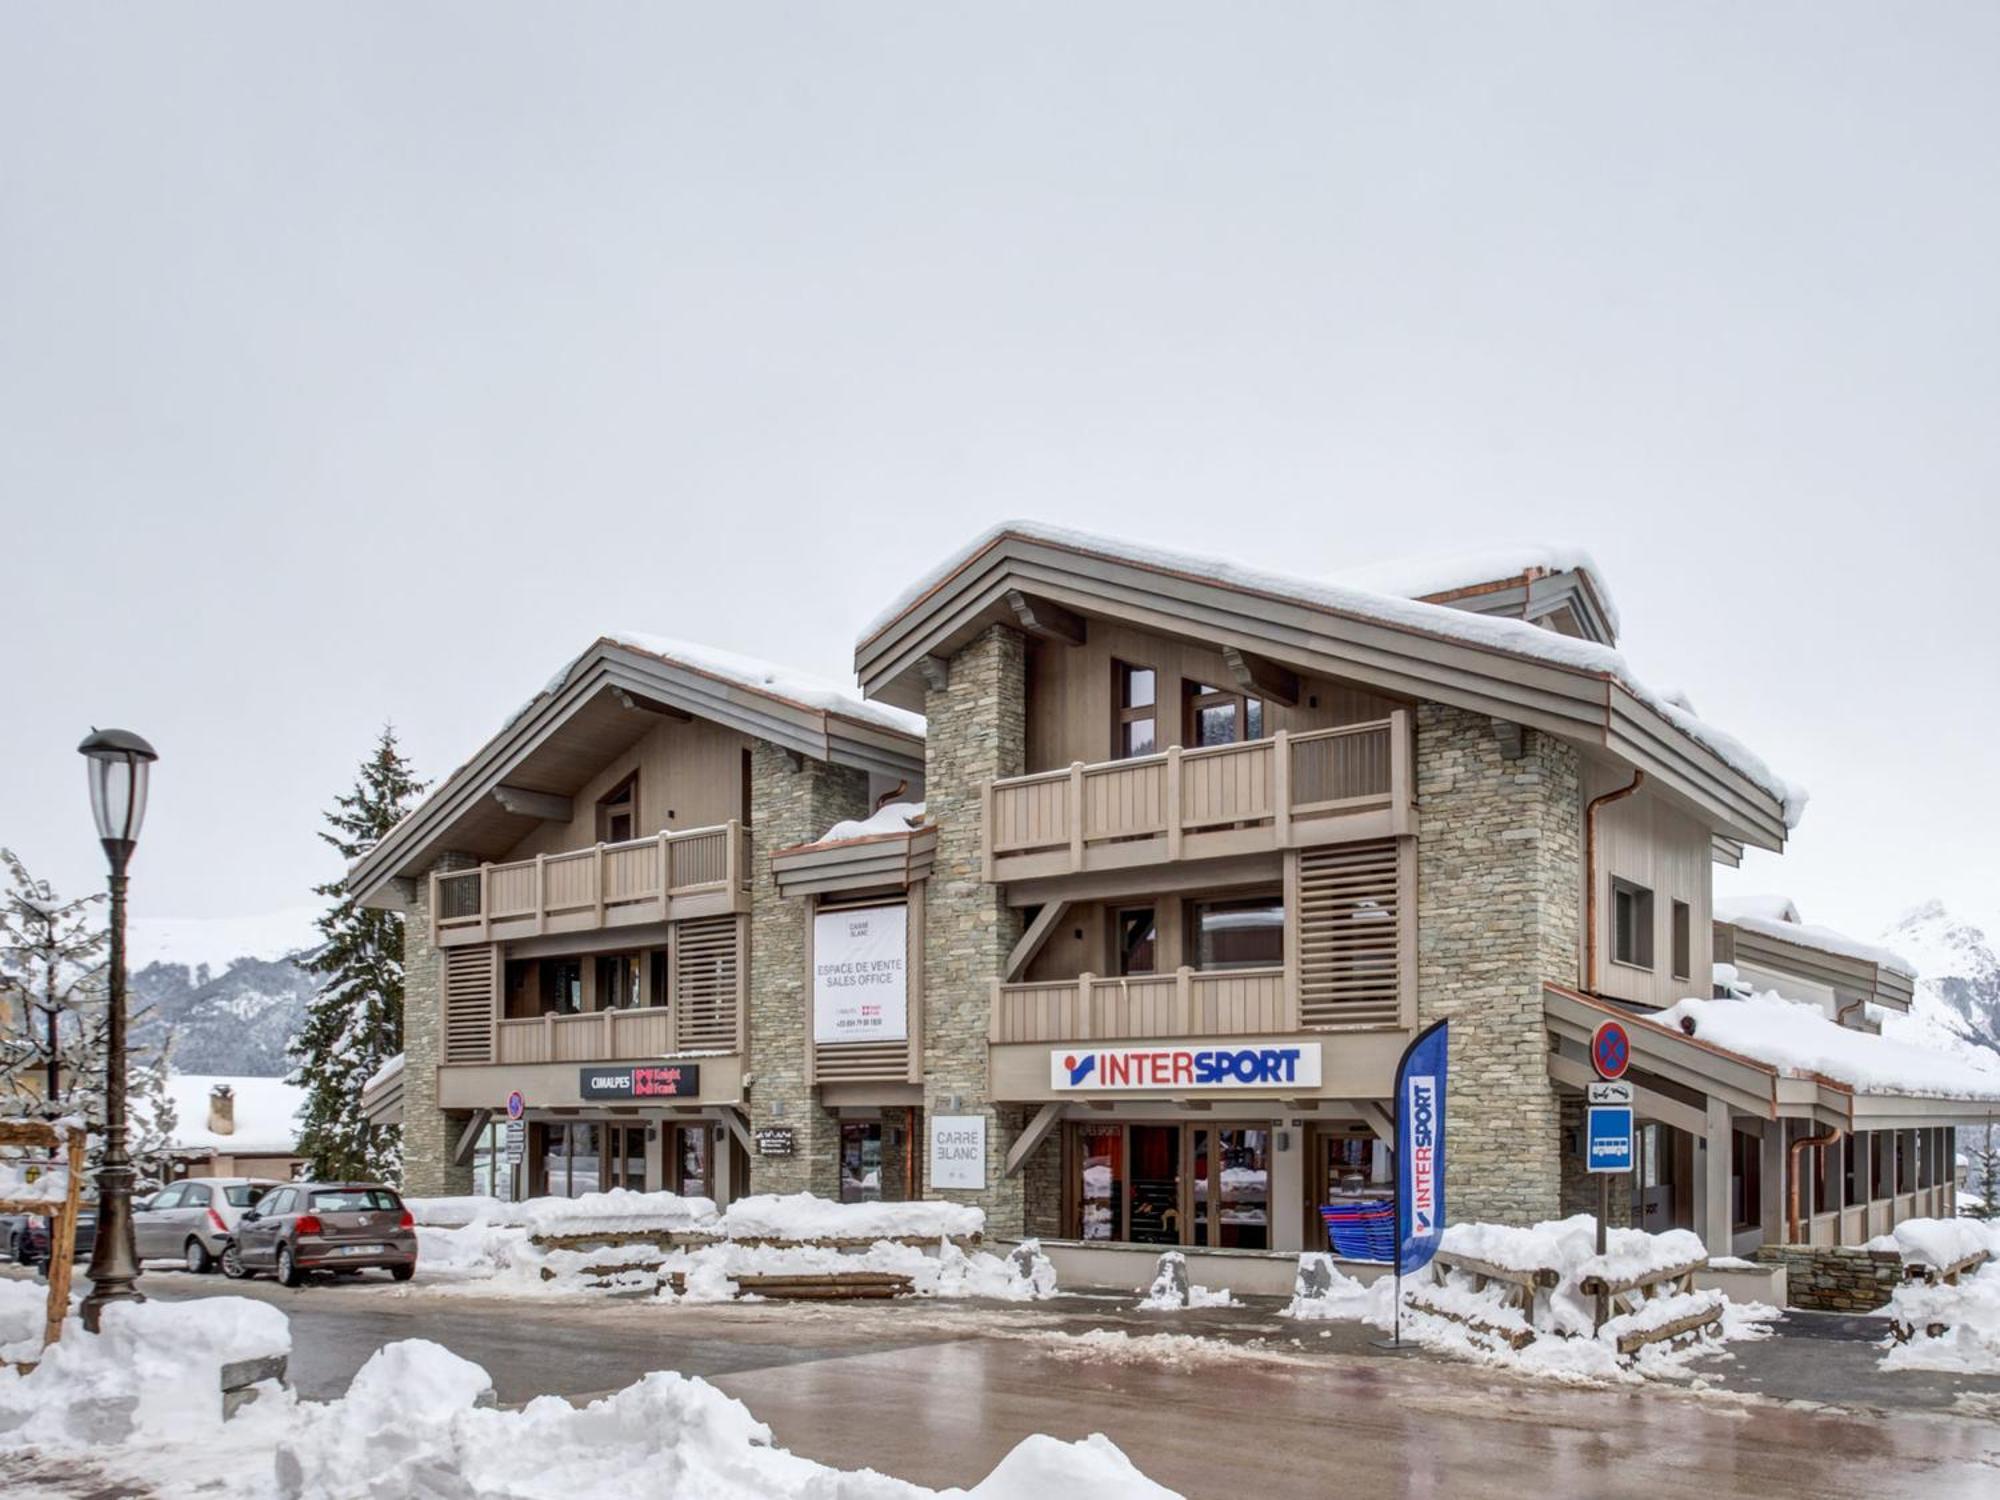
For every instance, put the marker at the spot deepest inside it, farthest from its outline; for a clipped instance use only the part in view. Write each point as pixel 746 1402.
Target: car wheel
pixel 232 1263
pixel 402 1273
pixel 288 1271
pixel 199 1261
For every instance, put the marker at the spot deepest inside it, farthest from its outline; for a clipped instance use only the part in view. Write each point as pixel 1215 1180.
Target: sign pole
pixel 1396 1317
pixel 1603 1244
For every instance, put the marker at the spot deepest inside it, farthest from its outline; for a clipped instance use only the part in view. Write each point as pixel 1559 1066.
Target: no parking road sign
pixel 1610 1050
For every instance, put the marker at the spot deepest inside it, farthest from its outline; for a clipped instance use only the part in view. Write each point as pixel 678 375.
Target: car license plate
pixel 358 1250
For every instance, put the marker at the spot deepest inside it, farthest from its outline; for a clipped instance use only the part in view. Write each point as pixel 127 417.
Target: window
pixel 1245 934
pixel 570 1158
pixel 196 1195
pixel 618 812
pixel 618 981
pixel 356 1201
pixel 242 1194
pixel 861 1162
pixel 171 1198
pixel 1171 1184
pixel 1138 941
pixel 1746 1180
pixel 1136 732
pixel 1631 924
pixel 1683 940
pixel 656 977
pixel 1221 716
pixel 562 986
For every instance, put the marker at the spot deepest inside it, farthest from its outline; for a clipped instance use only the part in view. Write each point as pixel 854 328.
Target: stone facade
pixel 1845 1279
pixel 429 1134
pixel 793 800
pixel 978 731
pixel 1499 898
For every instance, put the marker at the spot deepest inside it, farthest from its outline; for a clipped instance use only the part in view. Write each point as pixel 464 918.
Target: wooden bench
pixel 1521 1289
pixel 831 1286
pixel 1944 1275
pixel 63 1148
pixel 1629 1296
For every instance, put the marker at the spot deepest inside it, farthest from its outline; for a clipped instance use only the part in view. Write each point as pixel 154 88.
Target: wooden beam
pixel 1262 676
pixel 1378 1120
pixel 638 703
pixel 462 1152
pixel 1024 1146
pixel 1647 1104
pixel 1031 942
pixel 1045 618
pixel 734 1120
pixel 544 805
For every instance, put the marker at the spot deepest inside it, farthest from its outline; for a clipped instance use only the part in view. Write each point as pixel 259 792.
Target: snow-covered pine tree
pixel 1982 1176
pixel 355 1022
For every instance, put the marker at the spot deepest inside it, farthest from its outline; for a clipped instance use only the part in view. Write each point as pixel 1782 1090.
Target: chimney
pixel 222 1110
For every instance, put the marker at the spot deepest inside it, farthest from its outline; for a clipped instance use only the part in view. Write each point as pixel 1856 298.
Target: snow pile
pixel 802 1216
pixel 153 1375
pixel 466 1208
pixel 615 1211
pixel 897 817
pixel 142 1401
pixel 32 1182
pixel 1569 1248
pixel 1171 1290
pixel 713 1272
pixel 1325 1293
pixel 24 1307
pixel 1939 1243
pixel 1954 1328
pixel 1799 1041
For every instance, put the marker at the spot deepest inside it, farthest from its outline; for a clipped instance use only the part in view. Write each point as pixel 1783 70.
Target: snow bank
pixel 23 1310
pixel 802 1216
pixel 1944 1242
pixel 616 1211
pixel 897 817
pixel 142 1402
pixel 36 1183
pixel 1967 1315
pixel 1800 1041
pixel 1171 1290
pixel 467 1208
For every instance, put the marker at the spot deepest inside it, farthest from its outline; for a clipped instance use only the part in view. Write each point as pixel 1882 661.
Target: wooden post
pixel 1076 815
pixel 1173 801
pixel 541 894
pixel 732 856
pixel 548 1036
pixel 987 831
pixel 664 864
pixel 1399 771
pixel 1184 998
pixel 485 904
pixel 1717 1234
pixel 434 908
pixel 1083 1006
pixel 62 1242
pixel 597 880
pixel 1281 788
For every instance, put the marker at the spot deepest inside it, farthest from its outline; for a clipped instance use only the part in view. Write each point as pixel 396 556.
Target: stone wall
pixel 793 800
pixel 978 731
pixel 429 1134
pixel 1844 1279
pixel 1499 896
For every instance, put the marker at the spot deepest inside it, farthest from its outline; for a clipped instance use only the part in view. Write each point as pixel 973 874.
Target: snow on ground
pixel 1798 1040
pixel 1967 1315
pixel 1171 1290
pixel 143 1402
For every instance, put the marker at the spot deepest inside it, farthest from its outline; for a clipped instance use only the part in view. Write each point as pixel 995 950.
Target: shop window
pixel 1155 1154
pixel 1221 716
pixel 1746 1180
pixel 1232 1188
pixel 1683 940
pixel 562 986
pixel 618 812
pixel 861 1162
pixel 1100 1155
pixel 1136 694
pixel 1138 941
pixel 570 1158
pixel 1631 924
pixel 1244 934
pixel 693 1155
pixel 1171 1184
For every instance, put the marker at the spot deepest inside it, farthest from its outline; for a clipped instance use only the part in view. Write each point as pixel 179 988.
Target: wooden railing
pixel 1188 1002
pixel 697 872
pixel 1322 786
pixel 598 1036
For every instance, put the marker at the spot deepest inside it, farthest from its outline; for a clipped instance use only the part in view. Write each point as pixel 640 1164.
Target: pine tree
pixel 1982 1178
pixel 54 1022
pixel 355 1022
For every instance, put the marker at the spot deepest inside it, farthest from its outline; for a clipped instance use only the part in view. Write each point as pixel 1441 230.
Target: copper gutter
pixel 1826 1138
pixel 1590 876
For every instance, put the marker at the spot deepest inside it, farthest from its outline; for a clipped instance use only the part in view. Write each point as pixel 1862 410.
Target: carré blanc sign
pixel 861 975
pixel 1104 1069
pixel 958 1151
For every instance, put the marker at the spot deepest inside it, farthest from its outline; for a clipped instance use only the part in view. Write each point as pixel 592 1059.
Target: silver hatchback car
pixel 192 1221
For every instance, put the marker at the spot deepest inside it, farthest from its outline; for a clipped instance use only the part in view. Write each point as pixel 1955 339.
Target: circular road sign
pixel 517 1106
pixel 1610 1050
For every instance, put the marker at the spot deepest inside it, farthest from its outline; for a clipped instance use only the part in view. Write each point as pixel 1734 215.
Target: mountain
pixel 1957 1005
pixel 231 988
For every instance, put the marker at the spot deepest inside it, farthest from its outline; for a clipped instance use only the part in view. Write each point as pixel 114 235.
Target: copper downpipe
pixel 1590 876
pixel 1825 1138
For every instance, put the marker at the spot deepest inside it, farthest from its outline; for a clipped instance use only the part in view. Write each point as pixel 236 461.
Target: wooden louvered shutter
pixel 1350 935
pixel 708 958
pixel 470 987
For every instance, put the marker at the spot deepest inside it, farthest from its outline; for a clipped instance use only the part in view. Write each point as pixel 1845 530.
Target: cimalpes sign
pixel 640 1081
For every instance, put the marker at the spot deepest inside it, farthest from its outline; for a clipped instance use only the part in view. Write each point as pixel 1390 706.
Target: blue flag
pixel 1420 1093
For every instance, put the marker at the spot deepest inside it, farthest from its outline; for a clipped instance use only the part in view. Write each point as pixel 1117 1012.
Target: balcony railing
pixel 670 876
pixel 1291 790
pixel 1189 1002
pixel 600 1036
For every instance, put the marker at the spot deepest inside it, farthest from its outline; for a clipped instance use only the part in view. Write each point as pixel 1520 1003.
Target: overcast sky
pixel 365 366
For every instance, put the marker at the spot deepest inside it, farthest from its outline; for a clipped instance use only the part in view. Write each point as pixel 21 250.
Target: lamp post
pixel 119 761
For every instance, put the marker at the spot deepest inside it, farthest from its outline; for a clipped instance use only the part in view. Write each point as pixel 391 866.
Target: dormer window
pixel 618 812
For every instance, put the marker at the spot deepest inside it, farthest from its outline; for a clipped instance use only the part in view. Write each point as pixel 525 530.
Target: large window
pixel 1171 1184
pixel 1631 924
pixel 618 812
pixel 1137 695
pixel 1221 716
pixel 562 986
pixel 1242 934
pixel 618 981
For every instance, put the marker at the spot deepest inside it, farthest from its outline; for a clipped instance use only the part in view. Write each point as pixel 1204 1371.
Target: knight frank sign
pixel 861 975
pixel 1096 1070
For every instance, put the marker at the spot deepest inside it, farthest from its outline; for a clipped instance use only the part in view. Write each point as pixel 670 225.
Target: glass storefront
pixel 1207 1185
pixel 861 1162
pixel 586 1156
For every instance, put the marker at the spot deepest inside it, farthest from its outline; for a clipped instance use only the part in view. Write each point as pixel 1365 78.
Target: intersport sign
pixel 1111 1069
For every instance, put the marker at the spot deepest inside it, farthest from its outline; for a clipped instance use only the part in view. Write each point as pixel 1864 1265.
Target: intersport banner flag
pixel 1420 1147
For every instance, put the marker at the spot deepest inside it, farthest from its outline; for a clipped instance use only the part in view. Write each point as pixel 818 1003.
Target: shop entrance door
pixel 1230 1172
pixel 690 1162
pixel 625 1157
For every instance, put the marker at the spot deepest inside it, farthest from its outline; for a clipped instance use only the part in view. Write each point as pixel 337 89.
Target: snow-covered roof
pixel 267 1111
pixel 1516 638
pixel 897 817
pixel 800 688
pixel 1424 577
pixel 1777 917
pixel 1799 1041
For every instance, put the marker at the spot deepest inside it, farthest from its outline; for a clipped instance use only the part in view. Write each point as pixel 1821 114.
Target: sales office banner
pixel 1096 1070
pixel 861 975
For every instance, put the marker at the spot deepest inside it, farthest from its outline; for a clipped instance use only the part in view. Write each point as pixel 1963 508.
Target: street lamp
pixel 119 762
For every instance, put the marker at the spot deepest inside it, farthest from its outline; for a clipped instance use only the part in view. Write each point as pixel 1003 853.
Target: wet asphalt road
pixel 939 1392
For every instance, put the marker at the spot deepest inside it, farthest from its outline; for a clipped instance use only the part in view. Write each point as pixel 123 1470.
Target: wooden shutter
pixel 470 986
pixel 1350 935
pixel 708 962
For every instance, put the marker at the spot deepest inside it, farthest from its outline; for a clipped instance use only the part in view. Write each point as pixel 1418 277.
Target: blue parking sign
pixel 1608 1140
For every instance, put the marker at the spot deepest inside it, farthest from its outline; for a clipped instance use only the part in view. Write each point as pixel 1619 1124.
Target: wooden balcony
pixel 671 876
pixel 1324 786
pixel 1189 1002
pixel 601 1036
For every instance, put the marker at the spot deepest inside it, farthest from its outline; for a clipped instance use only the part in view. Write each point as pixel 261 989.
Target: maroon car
pixel 301 1227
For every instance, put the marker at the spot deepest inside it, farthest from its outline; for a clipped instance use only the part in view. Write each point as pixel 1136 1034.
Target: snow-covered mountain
pixel 231 988
pixel 1957 1006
